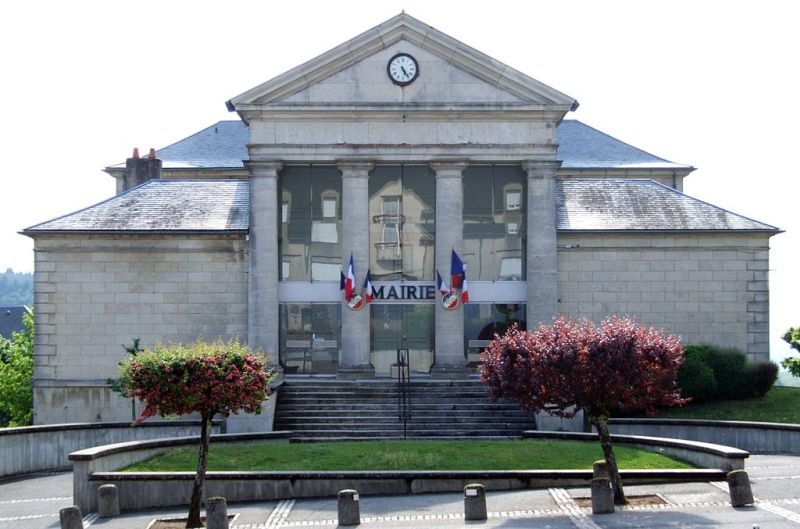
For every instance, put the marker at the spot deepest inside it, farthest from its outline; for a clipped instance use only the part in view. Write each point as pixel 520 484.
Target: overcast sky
pixel 713 84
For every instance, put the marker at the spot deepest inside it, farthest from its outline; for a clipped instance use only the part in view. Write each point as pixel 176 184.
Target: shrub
pixel 730 371
pixel 696 379
pixel 734 376
pixel 762 376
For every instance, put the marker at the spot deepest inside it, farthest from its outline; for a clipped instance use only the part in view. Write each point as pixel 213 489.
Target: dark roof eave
pixel 774 231
pixel 32 233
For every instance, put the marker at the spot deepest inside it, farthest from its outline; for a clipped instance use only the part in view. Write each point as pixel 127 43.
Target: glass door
pixel 402 326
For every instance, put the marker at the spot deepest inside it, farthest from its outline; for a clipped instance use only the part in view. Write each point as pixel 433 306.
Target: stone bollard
pixel 602 496
pixel 739 488
pixel 107 501
pixel 71 518
pixel 600 469
pixel 349 513
pixel 216 513
pixel 475 502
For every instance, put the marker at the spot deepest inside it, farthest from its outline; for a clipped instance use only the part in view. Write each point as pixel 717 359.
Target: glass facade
pixel 310 337
pixel 401 326
pixel 402 201
pixel 311 223
pixel 402 210
pixel 483 320
pixel 495 222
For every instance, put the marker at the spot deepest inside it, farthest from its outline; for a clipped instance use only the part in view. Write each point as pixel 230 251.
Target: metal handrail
pixel 403 393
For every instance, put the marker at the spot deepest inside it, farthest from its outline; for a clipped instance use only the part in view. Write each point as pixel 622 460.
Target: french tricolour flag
pixel 350 280
pixel 368 288
pixel 443 290
pixel 458 274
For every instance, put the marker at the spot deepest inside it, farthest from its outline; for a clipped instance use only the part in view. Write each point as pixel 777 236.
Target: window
pixel 511 268
pixel 284 212
pixel 512 228
pixel 513 198
pixel 286 270
pixel 328 208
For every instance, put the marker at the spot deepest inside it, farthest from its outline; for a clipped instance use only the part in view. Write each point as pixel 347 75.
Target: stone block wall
pixel 707 288
pixel 93 294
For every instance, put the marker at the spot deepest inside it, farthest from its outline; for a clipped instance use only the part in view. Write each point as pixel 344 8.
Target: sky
pixel 712 84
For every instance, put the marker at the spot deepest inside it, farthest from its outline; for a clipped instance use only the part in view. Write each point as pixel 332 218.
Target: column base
pixel 450 372
pixel 355 372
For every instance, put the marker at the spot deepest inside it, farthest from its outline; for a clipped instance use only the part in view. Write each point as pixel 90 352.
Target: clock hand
pixel 404 71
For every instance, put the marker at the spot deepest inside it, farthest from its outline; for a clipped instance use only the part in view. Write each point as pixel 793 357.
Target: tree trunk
pixel 199 478
pixel 601 424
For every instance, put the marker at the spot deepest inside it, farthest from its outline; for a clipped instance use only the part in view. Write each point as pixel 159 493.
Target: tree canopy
pixel 205 378
pixel 571 366
pixel 16 376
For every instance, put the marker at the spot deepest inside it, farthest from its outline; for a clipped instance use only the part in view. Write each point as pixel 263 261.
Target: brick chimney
pixel 140 170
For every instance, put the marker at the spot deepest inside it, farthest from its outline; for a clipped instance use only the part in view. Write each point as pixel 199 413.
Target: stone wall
pixel 707 288
pixel 94 293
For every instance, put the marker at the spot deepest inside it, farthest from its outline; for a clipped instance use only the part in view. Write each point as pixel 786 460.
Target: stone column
pixel 262 293
pixel 355 360
pixel 449 359
pixel 542 265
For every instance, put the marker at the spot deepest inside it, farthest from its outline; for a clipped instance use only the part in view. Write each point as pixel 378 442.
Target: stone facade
pixel 706 288
pixel 94 294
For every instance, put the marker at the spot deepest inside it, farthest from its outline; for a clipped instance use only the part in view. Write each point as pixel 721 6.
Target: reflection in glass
pixel 310 237
pixel 402 214
pixel 483 320
pixel 401 326
pixel 310 337
pixel 494 222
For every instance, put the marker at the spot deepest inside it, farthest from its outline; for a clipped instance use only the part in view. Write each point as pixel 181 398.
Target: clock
pixel 402 69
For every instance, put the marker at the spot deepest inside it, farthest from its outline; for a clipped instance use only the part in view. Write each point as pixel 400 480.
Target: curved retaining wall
pixel 41 448
pixel 141 490
pixel 755 437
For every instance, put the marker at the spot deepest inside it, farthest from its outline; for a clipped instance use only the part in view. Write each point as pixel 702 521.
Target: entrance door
pixel 401 326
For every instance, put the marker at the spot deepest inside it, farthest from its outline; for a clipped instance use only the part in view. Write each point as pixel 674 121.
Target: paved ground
pixel 34 502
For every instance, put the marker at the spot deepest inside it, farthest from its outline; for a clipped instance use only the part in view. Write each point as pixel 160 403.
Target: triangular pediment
pixel 450 72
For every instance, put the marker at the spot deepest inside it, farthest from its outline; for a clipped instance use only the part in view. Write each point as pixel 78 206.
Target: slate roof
pixel 163 205
pixel 616 205
pixel 582 146
pixel 223 205
pixel 11 320
pixel 224 145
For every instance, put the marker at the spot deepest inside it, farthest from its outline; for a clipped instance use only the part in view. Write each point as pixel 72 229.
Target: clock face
pixel 402 69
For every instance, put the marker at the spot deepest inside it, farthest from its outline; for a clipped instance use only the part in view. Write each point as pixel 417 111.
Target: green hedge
pixel 710 372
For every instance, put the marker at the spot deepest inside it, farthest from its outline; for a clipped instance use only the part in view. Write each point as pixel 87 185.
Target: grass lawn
pixel 405 455
pixel 778 405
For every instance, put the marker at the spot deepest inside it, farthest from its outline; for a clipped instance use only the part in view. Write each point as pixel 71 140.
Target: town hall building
pixel 399 148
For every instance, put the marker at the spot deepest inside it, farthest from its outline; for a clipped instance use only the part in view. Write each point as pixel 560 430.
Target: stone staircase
pixel 326 409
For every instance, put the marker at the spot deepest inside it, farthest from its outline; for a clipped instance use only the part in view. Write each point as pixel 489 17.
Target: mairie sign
pixel 403 291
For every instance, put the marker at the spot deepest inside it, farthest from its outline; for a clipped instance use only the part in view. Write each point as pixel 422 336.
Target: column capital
pixel 264 167
pixel 541 168
pixel 448 168
pixel 354 168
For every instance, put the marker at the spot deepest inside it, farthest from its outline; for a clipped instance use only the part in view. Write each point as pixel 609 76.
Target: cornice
pixel 402 153
pixel 445 113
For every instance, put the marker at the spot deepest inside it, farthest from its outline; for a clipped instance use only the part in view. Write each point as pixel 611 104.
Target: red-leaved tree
pixel 574 366
pixel 205 378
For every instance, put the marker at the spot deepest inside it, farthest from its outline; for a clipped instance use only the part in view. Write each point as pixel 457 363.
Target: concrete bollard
pixel 71 518
pixel 349 513
pixel 216 513
pixel 739 488
pixel 600 469
pixel 475 502
pixel 602 496
pixel 107 501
